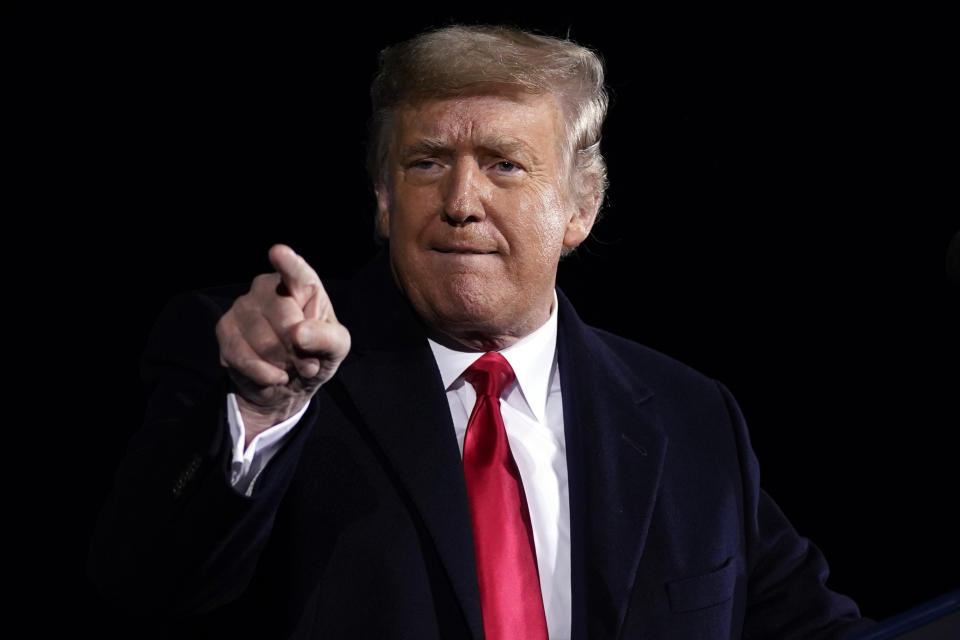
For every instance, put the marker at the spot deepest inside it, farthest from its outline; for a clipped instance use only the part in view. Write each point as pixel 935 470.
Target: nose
pixel 464 200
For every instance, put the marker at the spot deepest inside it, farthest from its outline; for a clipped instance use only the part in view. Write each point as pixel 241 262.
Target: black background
pixel 778 211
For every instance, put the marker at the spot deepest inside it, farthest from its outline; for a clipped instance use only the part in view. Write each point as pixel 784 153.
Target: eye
pixel 423 165
pixel 507 167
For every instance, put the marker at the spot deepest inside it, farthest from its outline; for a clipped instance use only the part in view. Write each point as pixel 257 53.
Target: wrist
pixel 257 419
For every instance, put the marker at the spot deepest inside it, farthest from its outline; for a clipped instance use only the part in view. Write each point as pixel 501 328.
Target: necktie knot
pixel 490 374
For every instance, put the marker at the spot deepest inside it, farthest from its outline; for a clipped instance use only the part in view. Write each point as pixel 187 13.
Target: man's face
pixel 477 210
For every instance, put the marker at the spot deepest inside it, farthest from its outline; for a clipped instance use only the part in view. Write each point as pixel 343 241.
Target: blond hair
pixel 453 59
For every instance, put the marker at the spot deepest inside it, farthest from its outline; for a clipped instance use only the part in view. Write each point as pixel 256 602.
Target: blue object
pixel 920 619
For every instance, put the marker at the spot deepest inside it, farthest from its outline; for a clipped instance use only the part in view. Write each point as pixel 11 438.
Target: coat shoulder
pixel 666 377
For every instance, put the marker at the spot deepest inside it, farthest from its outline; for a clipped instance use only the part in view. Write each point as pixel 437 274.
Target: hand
pixel 280 342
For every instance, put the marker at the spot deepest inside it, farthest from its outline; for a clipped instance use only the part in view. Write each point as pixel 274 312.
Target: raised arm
pixel 174 536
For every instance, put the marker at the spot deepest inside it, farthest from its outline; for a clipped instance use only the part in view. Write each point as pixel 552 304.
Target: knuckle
pixel 227 323
pixel 244 305
pixel 264 344
pixel 265 284
pixel 262 279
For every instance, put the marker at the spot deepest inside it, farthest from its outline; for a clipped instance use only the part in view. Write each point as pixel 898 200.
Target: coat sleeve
pixel 787 596
pixel 174 537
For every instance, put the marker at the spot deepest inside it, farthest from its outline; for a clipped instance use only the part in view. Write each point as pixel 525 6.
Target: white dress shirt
pixel 532 409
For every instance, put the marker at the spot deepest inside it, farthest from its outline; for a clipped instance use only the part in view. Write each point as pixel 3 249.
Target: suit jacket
pixel 360 527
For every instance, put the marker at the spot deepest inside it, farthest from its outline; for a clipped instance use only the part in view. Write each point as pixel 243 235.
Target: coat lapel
pixel 615 452
pixel 393 381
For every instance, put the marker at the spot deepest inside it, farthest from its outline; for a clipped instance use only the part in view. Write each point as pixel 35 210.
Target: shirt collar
pixel 531 358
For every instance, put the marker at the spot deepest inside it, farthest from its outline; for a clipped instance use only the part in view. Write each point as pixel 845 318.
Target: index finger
pixel 297 276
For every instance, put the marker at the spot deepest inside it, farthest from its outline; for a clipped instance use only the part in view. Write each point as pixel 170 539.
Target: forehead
pixel 528 119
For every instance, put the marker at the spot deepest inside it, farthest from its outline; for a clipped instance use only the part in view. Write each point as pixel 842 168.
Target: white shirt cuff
pixel 247 464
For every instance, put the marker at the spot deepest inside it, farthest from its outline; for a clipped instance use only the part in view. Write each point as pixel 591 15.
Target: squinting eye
pixel 507 166
pixel 424 164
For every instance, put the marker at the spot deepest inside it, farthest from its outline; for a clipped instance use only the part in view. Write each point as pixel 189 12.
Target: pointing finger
pixel 298 279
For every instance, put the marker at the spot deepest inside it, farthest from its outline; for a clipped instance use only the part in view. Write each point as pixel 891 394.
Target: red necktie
pixel 503 538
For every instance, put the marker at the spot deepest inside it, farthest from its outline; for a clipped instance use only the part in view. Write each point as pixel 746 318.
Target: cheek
pixel 547 225
pixel 412 208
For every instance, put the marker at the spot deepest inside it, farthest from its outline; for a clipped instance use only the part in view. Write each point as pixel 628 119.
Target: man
pixel 332 478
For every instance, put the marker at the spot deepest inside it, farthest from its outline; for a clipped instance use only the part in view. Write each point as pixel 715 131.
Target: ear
pixel 581 221
pixel 383 211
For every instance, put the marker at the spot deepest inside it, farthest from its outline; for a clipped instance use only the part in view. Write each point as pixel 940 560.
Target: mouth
pixel 464 251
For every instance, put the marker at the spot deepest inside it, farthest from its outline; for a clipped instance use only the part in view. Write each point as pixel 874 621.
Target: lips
pixel 463 250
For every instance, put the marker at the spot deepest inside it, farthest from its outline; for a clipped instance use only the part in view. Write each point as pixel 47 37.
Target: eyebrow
pixel 425 147
pixel 501 145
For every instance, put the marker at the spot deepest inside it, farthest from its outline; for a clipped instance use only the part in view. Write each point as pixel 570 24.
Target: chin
pixel 468 312
pixel 470 309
